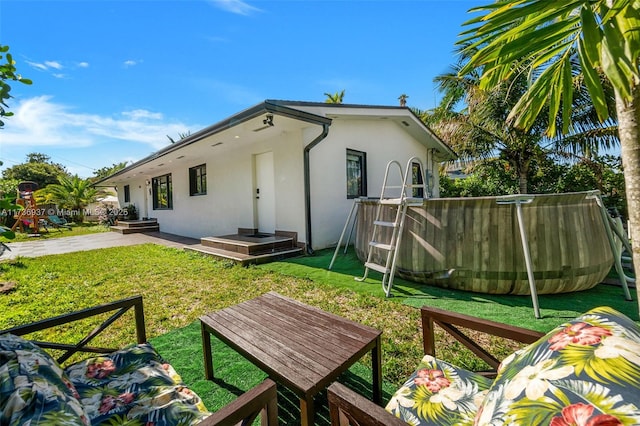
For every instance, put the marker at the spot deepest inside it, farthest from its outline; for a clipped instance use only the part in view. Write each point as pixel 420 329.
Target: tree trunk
pixel 628 128
pixel 523 182
pixel 523 177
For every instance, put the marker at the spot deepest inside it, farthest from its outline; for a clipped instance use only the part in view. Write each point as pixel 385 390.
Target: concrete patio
pixel 42 247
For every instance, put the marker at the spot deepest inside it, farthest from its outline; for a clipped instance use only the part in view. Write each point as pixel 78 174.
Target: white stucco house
pixel 277 166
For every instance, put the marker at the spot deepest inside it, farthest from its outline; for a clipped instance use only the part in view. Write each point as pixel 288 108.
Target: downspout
pixel 307 185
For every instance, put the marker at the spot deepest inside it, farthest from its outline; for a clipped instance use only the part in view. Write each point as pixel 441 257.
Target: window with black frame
pixel 356 174
pixel 162 192
pixel 127 194
pixel 198 180
pixel 417 179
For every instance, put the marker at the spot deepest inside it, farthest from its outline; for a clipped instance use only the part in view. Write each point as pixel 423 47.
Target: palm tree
pixel 602 35
pixel 72 192
pixel 481 130
pixel 180 136
pixel 335 98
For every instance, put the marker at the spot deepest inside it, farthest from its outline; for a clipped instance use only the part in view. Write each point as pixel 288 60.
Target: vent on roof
pixel 405 123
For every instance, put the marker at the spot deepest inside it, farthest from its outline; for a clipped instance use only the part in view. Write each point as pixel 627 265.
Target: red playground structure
pixel 30 216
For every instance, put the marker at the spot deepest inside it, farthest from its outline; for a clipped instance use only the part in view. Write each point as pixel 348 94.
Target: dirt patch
pixel 7 286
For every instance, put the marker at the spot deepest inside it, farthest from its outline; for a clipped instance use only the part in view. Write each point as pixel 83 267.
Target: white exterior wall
pixel 136 195
pixel 382 141
pixel 229 203
pixel 289 183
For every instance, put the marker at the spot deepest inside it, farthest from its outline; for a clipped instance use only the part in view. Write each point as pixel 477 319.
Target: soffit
pixel 247 133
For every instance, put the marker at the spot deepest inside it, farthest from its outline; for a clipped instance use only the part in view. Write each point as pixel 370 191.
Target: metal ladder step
pixel 381 246
pixel 386 224
pixel 379 268
pixel 401 203
pixel 391 201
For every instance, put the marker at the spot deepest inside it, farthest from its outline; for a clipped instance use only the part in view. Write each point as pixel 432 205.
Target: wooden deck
pixel 299 346
pixel 249 248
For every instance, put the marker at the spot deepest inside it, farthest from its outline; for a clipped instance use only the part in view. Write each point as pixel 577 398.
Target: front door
pixel 265 193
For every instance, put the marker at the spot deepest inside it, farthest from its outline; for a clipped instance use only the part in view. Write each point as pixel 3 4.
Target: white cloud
pixel 139 114
pixel 238 7
pixel 38 65
pixel 41 122
pixel 46 65
pixel 130 63
pixel 53 64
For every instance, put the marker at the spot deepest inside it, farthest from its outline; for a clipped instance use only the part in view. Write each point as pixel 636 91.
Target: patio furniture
pixel 586 371
pixel 302 347
pixel 116 386
pixel 58 222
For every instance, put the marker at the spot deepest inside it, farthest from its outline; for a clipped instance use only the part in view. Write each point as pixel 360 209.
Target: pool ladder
pixel 400 203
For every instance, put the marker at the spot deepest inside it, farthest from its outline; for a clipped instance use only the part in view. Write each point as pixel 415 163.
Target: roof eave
pixel 268 106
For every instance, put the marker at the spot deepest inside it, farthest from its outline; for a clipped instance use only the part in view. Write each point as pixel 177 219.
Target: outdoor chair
pixel 58 222
pixel 586 371
pixel 115 386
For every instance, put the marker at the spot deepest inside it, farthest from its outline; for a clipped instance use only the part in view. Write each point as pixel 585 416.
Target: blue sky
pixel 111 79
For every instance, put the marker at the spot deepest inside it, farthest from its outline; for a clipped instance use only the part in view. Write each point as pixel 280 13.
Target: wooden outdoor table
pixel 301 347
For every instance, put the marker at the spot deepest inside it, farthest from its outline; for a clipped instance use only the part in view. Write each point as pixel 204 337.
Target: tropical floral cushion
pixel 585 372
pixel 33 388
pixel 134 386
pixel 438 393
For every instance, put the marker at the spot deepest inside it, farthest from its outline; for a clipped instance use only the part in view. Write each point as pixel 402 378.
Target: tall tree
pixel 180 136
pixel 8 72
pixel 38 168
pixel 602 35
pixel 479 128
pixel 335 98
pixel 103 172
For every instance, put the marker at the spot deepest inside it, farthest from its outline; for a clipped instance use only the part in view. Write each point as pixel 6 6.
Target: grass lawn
pixel 74 230
pixel 179 286
pixel 514 310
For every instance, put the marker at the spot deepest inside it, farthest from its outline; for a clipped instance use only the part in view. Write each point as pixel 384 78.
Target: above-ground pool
pixel 474 244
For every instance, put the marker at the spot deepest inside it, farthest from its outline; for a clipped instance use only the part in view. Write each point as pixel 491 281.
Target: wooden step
pixel 127 230
pixel 137 223
pixel 250 244
pixel 244 259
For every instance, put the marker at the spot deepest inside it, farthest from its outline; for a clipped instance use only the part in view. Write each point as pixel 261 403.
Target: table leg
pixel 307 411
pixel 206 350
pixel 376 368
